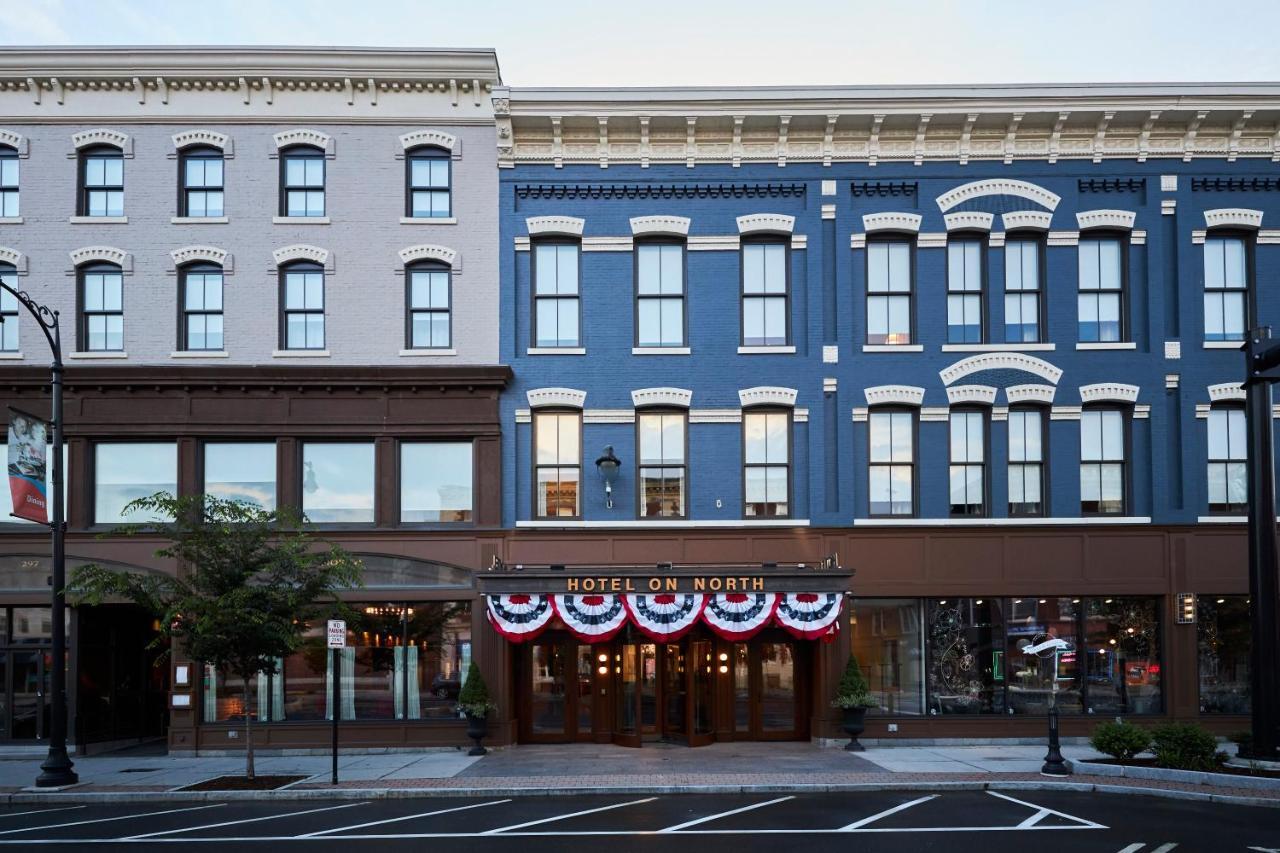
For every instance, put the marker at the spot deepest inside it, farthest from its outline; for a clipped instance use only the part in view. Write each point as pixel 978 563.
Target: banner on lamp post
pixel 28 471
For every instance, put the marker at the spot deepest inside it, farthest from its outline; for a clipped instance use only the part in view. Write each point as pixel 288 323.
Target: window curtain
pixel 406 695
pixel 271 700
pixel 348 684
pixel 414 695
pixel 210 694
pixel 397 682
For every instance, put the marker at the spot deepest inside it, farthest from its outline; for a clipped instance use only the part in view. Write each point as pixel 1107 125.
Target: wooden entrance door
pixel 770 688
pixel 557 694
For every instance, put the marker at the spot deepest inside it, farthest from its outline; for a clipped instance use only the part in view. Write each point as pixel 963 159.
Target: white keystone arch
pixel 1038 219
pixel 191 254
pixel 436 138
pixel 767 395
pixel 570 226
pixel 660 226
pixel 1226 392
pixel 14 258
pixel 14 140
pixel 982 394
pixel 974 221
pixel 1109 392
pixel 1029 394
pixel 102 136
pixel 1000 361
pixel 766 223
pixel 428 252
pixel 998 186
pixel 905 395
pixel 107 254
pixel 678 397
pixel 200 136
pixel 891 221
pixel 304 136
pixel 1228 216
pixel 1106 219
pixel 301 252
pixel 543 397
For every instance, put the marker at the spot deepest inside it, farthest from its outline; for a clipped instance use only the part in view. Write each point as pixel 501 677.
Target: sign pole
pixel 337 641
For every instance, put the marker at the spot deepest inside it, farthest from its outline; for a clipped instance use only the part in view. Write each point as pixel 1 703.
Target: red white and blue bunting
pixel 739 615
pixel 809 615
pixel 519 617
pixel 593 618
pixel 665 616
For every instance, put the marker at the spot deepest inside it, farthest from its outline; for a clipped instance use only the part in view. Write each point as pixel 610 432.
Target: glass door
pixel 675 694
pixel 28 695
pixel 769 689
pixel 777 701
pixel 701 727
pixel 649 729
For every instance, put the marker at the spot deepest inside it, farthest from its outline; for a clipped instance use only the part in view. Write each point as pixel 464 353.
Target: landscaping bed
pixel 243 783
pixel 1223 768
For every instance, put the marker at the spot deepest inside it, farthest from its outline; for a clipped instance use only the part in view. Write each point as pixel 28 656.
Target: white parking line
pixel 567 816
pixel 1132 848
pixel 234 822
pixel 1087 823
pixel 41 811
pixel 403 817
pixel 696 821
pixel 875 817
pixel 109 819
pixel 1164 848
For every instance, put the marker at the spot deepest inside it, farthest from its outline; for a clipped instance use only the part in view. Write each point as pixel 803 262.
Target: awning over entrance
pixel 665 601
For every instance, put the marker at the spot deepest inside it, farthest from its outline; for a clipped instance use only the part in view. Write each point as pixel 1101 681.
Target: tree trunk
pixel 248 729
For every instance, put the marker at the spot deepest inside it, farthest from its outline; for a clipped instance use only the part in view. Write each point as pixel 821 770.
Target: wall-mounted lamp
pixel 608 466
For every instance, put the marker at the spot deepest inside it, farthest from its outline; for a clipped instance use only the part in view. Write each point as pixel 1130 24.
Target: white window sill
pixel 300 353
pixel 893 347
pixel 428 220
pixel 426 353
pixel 637 523
pixel 556 351
pixel 1002 522
pixel 210 353
pixel 98 220
pixel 779 350
pixel 10 220
pixel 999 347
pixel 91 355
pixel 299 220
pixel 661 351
pixel 1223 519
pixel 10 356
pixel 1223 344
pixel 199 220
pixel 1107 345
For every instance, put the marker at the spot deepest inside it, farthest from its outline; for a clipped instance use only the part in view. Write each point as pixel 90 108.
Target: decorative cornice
pixel 1037 219
pixel 304 136
pixel 200 136
pixel 982 394
pixel 766 223
pixel 997 186
pixel 1226 392
pixel 1106 219
pixel 301 252
pixel 1029 394
pixel 970 221
pixel 191 254
pixel 550 225
pixel 1108 392
pixel 1233 216
pixel 107 254
pixel 1000 361
pixel 101 136
pixel 427 252
pixel 655 226
pixel 567 397
pixel 905 395
pixel 872 222
pixel 434 138
pixel 767 395
pixel 630 192
pixel 677 397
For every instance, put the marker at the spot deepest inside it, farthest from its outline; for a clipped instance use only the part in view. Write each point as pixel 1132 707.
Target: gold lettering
pixel 630 588
pixel 615 585
pixel 588 584
pixel 715 584
pixel 672 585
pixel 699 584
pixel 571 585
pixel 604 583
pixel 731 584
pixel 757 584
pixel 655 584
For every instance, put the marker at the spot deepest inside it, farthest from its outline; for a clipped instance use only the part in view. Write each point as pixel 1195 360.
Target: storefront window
pixel 127 471
pixel 966 656
pixel 1122 655
pixel 435 482
pixel 1223 634
pixel 241 471
pixel 337 482
pixel 885 636
pixel 1035 682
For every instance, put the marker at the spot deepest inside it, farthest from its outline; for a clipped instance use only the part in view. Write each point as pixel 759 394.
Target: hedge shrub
pixel 1185 746
pixel 1122 741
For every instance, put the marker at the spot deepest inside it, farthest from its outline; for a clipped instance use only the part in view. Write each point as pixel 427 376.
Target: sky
pixel 748 42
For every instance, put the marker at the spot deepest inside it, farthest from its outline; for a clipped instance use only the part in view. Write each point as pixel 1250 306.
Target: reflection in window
pixel 966 655
pixel 661 464
pixel 1223 634
pixel 1101 290
pixel 968 468
pixel 303 182
pixel 1026 462
pixel 241 471
pixel 1022 291
pixel 102 181
pixel 964 291
pixel 767 471
pixel 885 637
pixel 101 326
pixel 888 292
pixel 337 482
pixel 764 294
pixel 659 295
pixel 201 307
pixel 428 306
pixel 557 463
pixel 202 182
pixel 429 183
pixel 1228 460
pixel 1102 462
pixel 124 472
pixel 435 481
pixel 302 306
pixel 892 470
pixel 555 295
pixel 1226 288
pixel 1035 682
pixel 1122 655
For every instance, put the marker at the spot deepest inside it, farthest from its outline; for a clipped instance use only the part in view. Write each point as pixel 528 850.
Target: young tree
pixel 247 581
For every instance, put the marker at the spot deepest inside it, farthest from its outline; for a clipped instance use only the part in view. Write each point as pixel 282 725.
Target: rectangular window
pixel 241 471
pixel 201 308
pixel 556 295
pixel 429 195
pixel 101 309
pixel 966 655
pixel 1224 635
pixel 1102 462
pixel 303 190
pixel 8 310
pixel 303 303
pixel 202 182
pixel 765 294
pixel 662 464
pixel 1122 656
pixel 1226 288
pixel 889 292
pixel 1022 291
pixel 102 180
pixel 124 472
pixel 766 464
pixel 338 482
pixel 892 487
pixel 429 309
pixel 1102 284
pixel 885 635
pixel 964 291
pixel 435 482
pixel 557 440
pixel 1228 461
pixel 8 183
pixel 660 295
pixel 968 474
pixel 1026 462
pixel 1034 683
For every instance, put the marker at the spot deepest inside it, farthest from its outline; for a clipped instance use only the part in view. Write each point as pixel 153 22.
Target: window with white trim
pixel 302 306
pixel 766 462
pixel 892 462
pixel 1022 323
pixel 660 289
pixel 429 306
pixel 1026 462
pixel 8 310
pixel 429 177
pixel 557 463
pixel 101 320
pixel 302 181
pixel 1226 287
pixel 201 181
pixel 8 182
pixel 964 291
pixel 968 472
pixel 101 181
pixel 889 292
pixel 766 293
pixel 1102 290
pixel 556 302
pixel 1228 455
pixel 201 307
pixel 1103 465
pixel 662 479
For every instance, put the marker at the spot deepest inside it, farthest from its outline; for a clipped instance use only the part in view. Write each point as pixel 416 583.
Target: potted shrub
pixel 854 698
pixel 474 702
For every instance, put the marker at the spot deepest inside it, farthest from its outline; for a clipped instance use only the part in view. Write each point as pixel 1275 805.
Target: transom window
pixel 892 486
pixel 1228 461
pixel 202 182
pixel 964 291
pixel 1026 462
pixel 101 327
pixel 889 287
pixel 201 308
pixel 662 464
pixel 557 438
pixel 766 464
pixel 1022 291
pixel 968 474
pixel 1226 288
pixel 302 301
pixel 429 195
pixel 660 295
pixel 1102 462
pixel 302 178
pixel 765 294
pixel 8 182
pixel 555 295
pixel 1102 284
pixel 102 181
pixel 8 310
pixel 429 306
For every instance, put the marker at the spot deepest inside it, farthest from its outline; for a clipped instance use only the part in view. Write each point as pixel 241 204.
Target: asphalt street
pixel 984 821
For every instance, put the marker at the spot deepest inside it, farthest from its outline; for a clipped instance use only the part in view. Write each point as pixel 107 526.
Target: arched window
pixel 428 182
pixel 101 181
pixel 302 181
pixel 8 310
pixel 100 308
pixel 429 306
pixel 200 325
pixel 201 179
pixel 302 306
pixel 8 182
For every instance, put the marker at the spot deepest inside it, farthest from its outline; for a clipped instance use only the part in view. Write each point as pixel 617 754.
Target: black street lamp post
pixel 57 767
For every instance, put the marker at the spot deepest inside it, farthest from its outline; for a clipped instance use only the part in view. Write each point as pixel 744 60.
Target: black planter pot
pixel 854 725
pixel 477 728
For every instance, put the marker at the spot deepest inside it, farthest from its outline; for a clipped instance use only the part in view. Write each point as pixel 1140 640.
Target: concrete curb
pixel 1161 774
pixel 761 788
